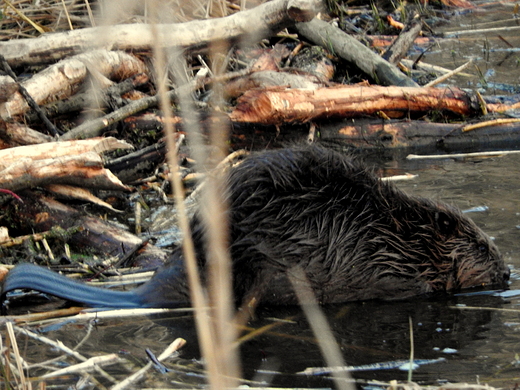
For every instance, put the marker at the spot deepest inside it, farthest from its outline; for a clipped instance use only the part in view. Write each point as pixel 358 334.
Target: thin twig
pixel 448 75
pixel 461 155
pixel 174 346
pixel 319 325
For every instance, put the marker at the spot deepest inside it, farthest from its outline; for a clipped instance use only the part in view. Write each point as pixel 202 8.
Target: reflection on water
pixel 477 335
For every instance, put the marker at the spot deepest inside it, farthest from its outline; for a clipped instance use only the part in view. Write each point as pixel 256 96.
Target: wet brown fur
pixel 355 236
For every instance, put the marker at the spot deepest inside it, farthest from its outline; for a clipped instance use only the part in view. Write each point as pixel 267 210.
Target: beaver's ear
pixel 445 223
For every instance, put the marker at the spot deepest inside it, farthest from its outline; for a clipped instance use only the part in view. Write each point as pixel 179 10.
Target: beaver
pixel 355 237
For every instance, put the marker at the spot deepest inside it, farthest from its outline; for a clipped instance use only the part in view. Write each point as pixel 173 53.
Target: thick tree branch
pixel 251 26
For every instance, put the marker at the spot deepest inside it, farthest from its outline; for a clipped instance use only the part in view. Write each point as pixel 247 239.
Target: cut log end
pixel 302 10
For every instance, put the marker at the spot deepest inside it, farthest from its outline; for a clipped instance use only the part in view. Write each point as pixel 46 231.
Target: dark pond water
pixel 490 36
pixel 477 337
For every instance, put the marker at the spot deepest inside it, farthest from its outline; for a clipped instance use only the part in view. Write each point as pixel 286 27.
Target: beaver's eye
pixel 483 249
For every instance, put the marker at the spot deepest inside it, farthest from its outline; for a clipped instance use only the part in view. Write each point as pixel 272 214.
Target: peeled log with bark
pixel 277 105
pixel 63 78
pixel 75 163
pixel 58 149
pixel 14 134
pixel 83 170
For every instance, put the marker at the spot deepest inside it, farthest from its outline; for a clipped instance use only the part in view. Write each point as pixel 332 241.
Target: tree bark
pixel 419 135
pixel 350 49
pixel 278 105
pixel 248 26
pixel 60 80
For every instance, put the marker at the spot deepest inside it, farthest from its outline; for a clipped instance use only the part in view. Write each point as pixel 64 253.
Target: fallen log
pixel 401 46
pixel 353 51
pixel 59 149
pixel 76 163
pixel 81 101
pixel 14 134
pixel 83 170
pixel 253 25
pixel 420 135
pixel 274 106
pixel 60 80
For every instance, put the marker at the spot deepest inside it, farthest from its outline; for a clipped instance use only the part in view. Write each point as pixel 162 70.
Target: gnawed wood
pixel 72 192
pixel 15 134
pixel 77 163
pixel 279 105
pixel 60 80
pixel 268 78
pixel 81 101
pixel 58 149
pixel 83 170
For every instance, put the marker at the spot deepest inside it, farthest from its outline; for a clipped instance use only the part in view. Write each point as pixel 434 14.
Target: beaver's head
pixel 460 254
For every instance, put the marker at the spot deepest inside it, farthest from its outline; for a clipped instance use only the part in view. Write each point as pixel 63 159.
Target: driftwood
pixel 247 26
pixel 348 48
pixel 75 162
pixel 60 80
pixel 278 105
pixel 80 101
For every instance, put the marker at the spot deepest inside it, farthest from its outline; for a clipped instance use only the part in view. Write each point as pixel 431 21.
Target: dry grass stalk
pixel 60 346
pixel 320 326
pixel 23 384
pixel 214 338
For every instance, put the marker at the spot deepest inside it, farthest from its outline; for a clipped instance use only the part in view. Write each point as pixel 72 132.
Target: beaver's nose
pixel 506 274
